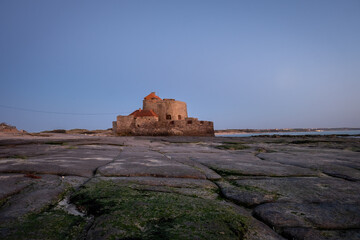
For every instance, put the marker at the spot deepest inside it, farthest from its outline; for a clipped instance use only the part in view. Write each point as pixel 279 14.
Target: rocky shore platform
pixel 61 186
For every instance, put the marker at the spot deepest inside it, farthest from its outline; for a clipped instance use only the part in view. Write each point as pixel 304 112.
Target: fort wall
pixel 152 127
pixel 161 117
pixel 167 109
pixel 142 122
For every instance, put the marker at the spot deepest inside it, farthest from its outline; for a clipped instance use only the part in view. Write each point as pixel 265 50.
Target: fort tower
pixel 166 109
pixel 161 117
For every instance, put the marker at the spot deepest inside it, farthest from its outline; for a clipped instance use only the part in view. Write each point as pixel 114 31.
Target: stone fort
pixel 161 117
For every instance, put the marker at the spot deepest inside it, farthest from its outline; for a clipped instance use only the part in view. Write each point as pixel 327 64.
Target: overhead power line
pixel 51 112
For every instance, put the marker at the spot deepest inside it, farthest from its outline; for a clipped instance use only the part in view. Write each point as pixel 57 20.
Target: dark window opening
pixel 138 125
pixel 179 117
pixel 201 122
pixel 168 117
pixel 189 122
pixel 172 122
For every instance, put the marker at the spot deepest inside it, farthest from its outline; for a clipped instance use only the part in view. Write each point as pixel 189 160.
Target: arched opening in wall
pixel 179 117
pixel 189 122
pixel 168 117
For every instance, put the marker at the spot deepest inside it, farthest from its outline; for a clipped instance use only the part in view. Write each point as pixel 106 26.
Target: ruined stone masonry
pixel 161 117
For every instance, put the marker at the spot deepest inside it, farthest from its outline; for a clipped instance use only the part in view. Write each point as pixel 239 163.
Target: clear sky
pixel 241 64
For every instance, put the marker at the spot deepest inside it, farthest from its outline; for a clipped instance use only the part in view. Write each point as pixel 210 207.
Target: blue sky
pixel 241 64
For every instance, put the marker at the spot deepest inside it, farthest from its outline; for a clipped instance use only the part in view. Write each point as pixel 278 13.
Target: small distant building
pixel 161 117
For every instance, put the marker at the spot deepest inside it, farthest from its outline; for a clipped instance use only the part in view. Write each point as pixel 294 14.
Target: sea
pixel 351 133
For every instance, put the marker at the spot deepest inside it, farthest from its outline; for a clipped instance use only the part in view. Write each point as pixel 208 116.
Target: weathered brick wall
pixel 123 125
pixel 149 126
pixel 145 122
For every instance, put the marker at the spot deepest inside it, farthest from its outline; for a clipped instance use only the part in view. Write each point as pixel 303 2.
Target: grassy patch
pixel 101 144
pixel 55 131
pixel 277 141
pixel 264 150
pixel 227 172
pixel 3 201
pixel 56 143
pixel 232 146
pixel 125 213
pixel 303 141
pixel 53 224
pixel 342 144
pixel 314 140
pixel 254 189
pixel 251 188
pixel 18 156
pixel 298 213
pixel 354 149
pixel 72 147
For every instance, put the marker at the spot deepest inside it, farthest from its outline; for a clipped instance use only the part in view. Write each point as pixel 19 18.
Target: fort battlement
pixel 165 117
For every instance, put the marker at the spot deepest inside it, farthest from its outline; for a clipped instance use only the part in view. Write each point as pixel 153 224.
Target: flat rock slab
pixel 190 147
pixel 43 191
pixel 257 230
pixel 77 162
pixel 186 158
pixel 185 186
pixel 248 197
pixel 248 164
pixel 306 189
pixel 301 188
pixel 342 164
pixel 319 215
pixel 141 162
pixel 13 183
pixel 29 150
pixel 313 234
pixel 168 182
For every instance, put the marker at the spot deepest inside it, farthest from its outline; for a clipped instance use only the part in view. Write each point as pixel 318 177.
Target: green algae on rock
pixel 51 224
pixel 232 146
pixel 122 212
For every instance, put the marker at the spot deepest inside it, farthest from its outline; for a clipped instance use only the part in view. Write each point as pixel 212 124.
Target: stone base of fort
pixel 168 128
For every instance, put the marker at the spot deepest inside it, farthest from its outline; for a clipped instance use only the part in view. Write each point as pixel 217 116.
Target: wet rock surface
pixel 83 187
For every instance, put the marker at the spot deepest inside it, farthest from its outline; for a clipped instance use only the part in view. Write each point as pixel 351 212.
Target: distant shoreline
pixel 247 131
